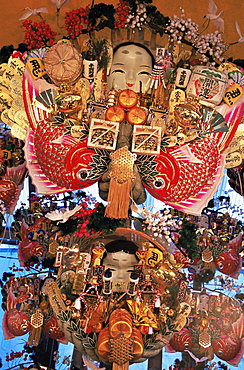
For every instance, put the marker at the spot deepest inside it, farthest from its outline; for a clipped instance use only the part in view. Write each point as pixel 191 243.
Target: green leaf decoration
pixel 81 335
pixel 92 342
pixel 164 143
pixel 86 345
pixel 99 163
pixel 99 223
pixel 147 168
pixel 156 20
pixel 188 239
pixel 64 316
pixel 74 326
pixel 58 119
pixel 102 15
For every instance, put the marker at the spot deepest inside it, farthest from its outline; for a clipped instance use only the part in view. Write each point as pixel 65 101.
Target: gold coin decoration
pixel 18 132
pixel 5 101
pixel 20 118
pixel 6 119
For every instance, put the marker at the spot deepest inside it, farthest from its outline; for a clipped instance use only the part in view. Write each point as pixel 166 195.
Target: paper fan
pixel 39 53
pixel 46 99
pixel 237 76
pixel 213 121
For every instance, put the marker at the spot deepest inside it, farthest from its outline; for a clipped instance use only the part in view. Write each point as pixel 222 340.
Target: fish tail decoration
pixel 6 332
pixel 195 204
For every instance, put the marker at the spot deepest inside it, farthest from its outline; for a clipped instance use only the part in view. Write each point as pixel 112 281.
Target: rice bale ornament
pixel 129 297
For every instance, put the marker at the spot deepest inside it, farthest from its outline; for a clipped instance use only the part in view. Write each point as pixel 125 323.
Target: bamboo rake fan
pixel 63 64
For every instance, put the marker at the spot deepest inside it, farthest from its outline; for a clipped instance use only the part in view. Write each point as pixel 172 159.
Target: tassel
pixel 121 175
pixel 118 199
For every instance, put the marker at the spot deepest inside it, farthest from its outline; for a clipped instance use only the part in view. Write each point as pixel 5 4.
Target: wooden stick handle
pixel 125 366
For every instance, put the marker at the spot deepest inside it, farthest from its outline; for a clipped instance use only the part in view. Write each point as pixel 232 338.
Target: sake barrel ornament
pixel 63 64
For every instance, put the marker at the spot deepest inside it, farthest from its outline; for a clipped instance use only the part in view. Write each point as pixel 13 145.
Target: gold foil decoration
pixel 142 315
pixel 154 255
pixel 233 159
pixel 5 101
pixel 34 336
pixel 207 255
pixel 228 67
pixel 18 132
pixel 121 350
pixel 36 329
pixel 177 96
pixel 187 114
pixel 52 249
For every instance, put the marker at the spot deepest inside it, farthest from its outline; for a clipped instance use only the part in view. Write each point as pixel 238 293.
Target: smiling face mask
pixel 131 65
pixel 121 265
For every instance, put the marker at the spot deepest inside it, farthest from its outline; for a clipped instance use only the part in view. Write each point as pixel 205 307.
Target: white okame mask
pixel 131 64
pixel 121 265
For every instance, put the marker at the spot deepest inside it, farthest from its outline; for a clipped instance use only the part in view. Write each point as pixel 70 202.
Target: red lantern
pixel 227 346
